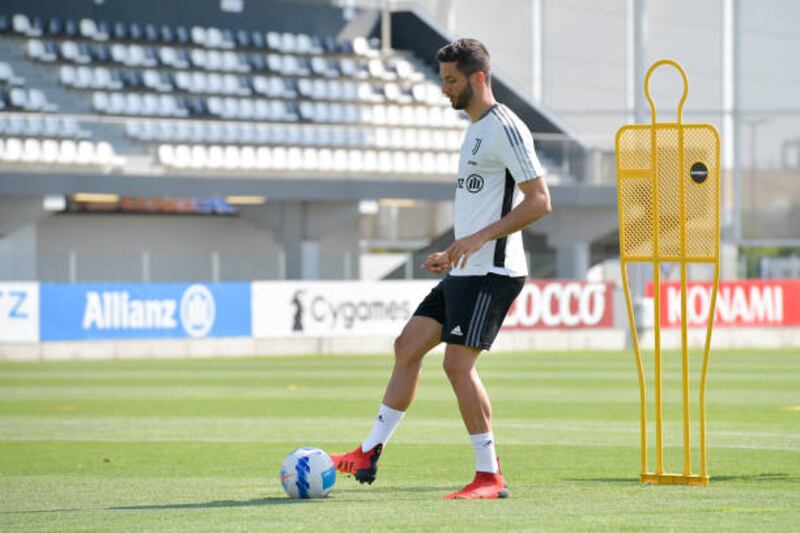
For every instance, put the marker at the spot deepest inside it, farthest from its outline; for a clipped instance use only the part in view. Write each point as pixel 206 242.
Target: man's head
pixel 465 68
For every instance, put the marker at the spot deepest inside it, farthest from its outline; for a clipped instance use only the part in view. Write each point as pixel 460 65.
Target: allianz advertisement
pixel 148 311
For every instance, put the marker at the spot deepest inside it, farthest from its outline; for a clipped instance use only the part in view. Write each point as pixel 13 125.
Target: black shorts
pixel 471 309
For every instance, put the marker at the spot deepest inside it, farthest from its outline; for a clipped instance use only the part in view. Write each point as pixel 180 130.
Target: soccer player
pixel 499 191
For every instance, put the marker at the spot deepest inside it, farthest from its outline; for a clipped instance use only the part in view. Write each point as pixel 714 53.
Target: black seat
pixel 54 26
pixel 102 53
pixel 257 39
pixel 182 35
pixel 243 39
pixel 120 31
pixel 104 28
pixel 167 35
pixel 70 27
pixel 151 32
pixel 135 31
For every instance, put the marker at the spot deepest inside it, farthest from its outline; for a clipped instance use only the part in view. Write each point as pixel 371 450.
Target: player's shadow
pixel 219 504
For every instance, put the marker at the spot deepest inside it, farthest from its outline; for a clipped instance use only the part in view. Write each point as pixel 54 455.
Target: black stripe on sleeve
pixel 500 244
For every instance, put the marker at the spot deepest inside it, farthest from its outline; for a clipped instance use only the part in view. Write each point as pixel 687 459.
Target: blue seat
pixel 120 32
pixel 167 35
pixel 70 27
pixel 151 32
pixel 243 39
pixel 135 31
pixel 257 39
pixel 182 35
pixel 54 26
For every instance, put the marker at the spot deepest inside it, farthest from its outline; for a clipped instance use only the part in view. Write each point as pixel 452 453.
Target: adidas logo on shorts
pixel 457 331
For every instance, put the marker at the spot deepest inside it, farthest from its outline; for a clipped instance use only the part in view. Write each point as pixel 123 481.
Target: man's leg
pixel 476 411
pixel 420 334
pixel 418 337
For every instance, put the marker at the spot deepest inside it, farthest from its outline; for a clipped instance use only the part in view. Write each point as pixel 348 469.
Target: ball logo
pixel 198 311
pixel 474 183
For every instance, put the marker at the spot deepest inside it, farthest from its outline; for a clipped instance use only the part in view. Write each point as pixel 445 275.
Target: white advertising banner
pixel 19 312
pixel 323 309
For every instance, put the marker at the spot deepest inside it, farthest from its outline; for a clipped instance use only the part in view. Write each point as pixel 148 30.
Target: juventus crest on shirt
pixel 497 154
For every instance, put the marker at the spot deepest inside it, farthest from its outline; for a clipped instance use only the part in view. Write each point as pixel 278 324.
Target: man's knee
pixel 404 350
pixel 456 367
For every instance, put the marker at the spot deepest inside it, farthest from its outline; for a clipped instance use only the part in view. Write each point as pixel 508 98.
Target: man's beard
pixel 463 99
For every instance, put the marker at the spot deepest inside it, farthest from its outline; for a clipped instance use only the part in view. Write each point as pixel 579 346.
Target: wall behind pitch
pixel 87 311
pixel 19 312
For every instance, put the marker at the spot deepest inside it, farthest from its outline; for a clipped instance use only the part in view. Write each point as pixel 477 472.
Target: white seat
pixel 148 105
pixel 151 79
pixel 263 134
pixel 429 162
pixel 247 157
pixel 231 63
pixel 183 81
pixel 320 89
pixel 321 112
pixel 148 130
pixel 213 38
pixel 168 107
pixel 279 157
pixel 133 104
pixel 443 163
pixel 100 102
pixel 18 97
pixel 215 106
pixel 49 151
pixel 439 140
pixel 21 24
pixel 246 109
pixel 166 154
pixel 84 78
pixel 88 28
pixel 333 90
pixel 340 162
pixel 399 162
pixel 183 156
pixel 119 53
pixel 230 132
pixel 215 84
pixel 261 84
pixel 288 43
pixel 273 40
pixel 384 162
pixel 290 66
pixel 397 138
pixel 247 133
pixel 167 55
pixel 216 156
pixel 232 159
pixel 198 35
pixel 376 68
pixel 355 160
pixel 394 115
pixel 66 75
pixel 213 60
pixel 370 161
pixel 263 157
pixel 421 117
pixel 303 44
pixel 199 156
pixel 136 56
pixel 230 107
pixel 414 163
pixel 360 46
pixel 37 101
pixel 230 84
pixel 85 153
pixel 104 153
pixel 261 109
pixel 309 159
pixel 31 151
pixel 411 139
pixel 34 48
pixel 305 86
pixel 277 109
pixel 101 79
pixel 407 116
pixel 13 149
pixel 198 57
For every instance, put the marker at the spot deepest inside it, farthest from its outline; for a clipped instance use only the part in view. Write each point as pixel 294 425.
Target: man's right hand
pixel 437 262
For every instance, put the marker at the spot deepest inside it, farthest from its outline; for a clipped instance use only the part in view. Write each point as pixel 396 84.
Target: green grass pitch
pixel 196 445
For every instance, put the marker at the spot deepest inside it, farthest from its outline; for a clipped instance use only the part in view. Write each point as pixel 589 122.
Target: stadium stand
pixel 208 98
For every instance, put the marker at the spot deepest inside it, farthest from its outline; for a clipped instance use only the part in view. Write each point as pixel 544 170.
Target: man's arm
pixel 534 205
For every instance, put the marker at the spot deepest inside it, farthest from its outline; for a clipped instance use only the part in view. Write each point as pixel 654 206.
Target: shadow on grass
pixel 758 478
pixel 257 502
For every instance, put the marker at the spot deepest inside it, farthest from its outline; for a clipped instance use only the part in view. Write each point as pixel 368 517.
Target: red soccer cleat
pixel 485 486
pixel 361 465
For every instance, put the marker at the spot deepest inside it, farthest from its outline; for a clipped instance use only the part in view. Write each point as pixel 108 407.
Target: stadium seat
pixel 151 33
pixel 7 75
pixel 20 24
pixel 49 151
pixel 67 151
pixel 31 151
pixel 263 157
pixel 104 153
pixel 87 28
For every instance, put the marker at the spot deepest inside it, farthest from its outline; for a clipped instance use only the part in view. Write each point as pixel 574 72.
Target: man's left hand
pixel 461 249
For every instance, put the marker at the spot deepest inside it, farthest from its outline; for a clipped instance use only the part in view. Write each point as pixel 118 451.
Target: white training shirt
pixel 496 155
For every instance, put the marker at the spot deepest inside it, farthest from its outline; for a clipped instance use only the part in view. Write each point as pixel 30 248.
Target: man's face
pixel 455 85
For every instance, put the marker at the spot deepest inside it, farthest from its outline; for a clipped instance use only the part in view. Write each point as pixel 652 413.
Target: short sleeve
pixel 514 147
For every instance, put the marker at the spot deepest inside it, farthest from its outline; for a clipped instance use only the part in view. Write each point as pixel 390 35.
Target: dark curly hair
pixel 470 56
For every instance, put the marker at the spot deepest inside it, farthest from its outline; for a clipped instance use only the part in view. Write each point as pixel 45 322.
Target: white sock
pixel 385 425
pixel 485 458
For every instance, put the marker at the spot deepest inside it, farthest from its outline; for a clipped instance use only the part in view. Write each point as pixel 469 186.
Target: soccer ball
pixel 308 473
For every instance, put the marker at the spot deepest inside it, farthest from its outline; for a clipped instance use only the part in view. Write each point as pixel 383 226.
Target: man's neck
pixel 479 107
